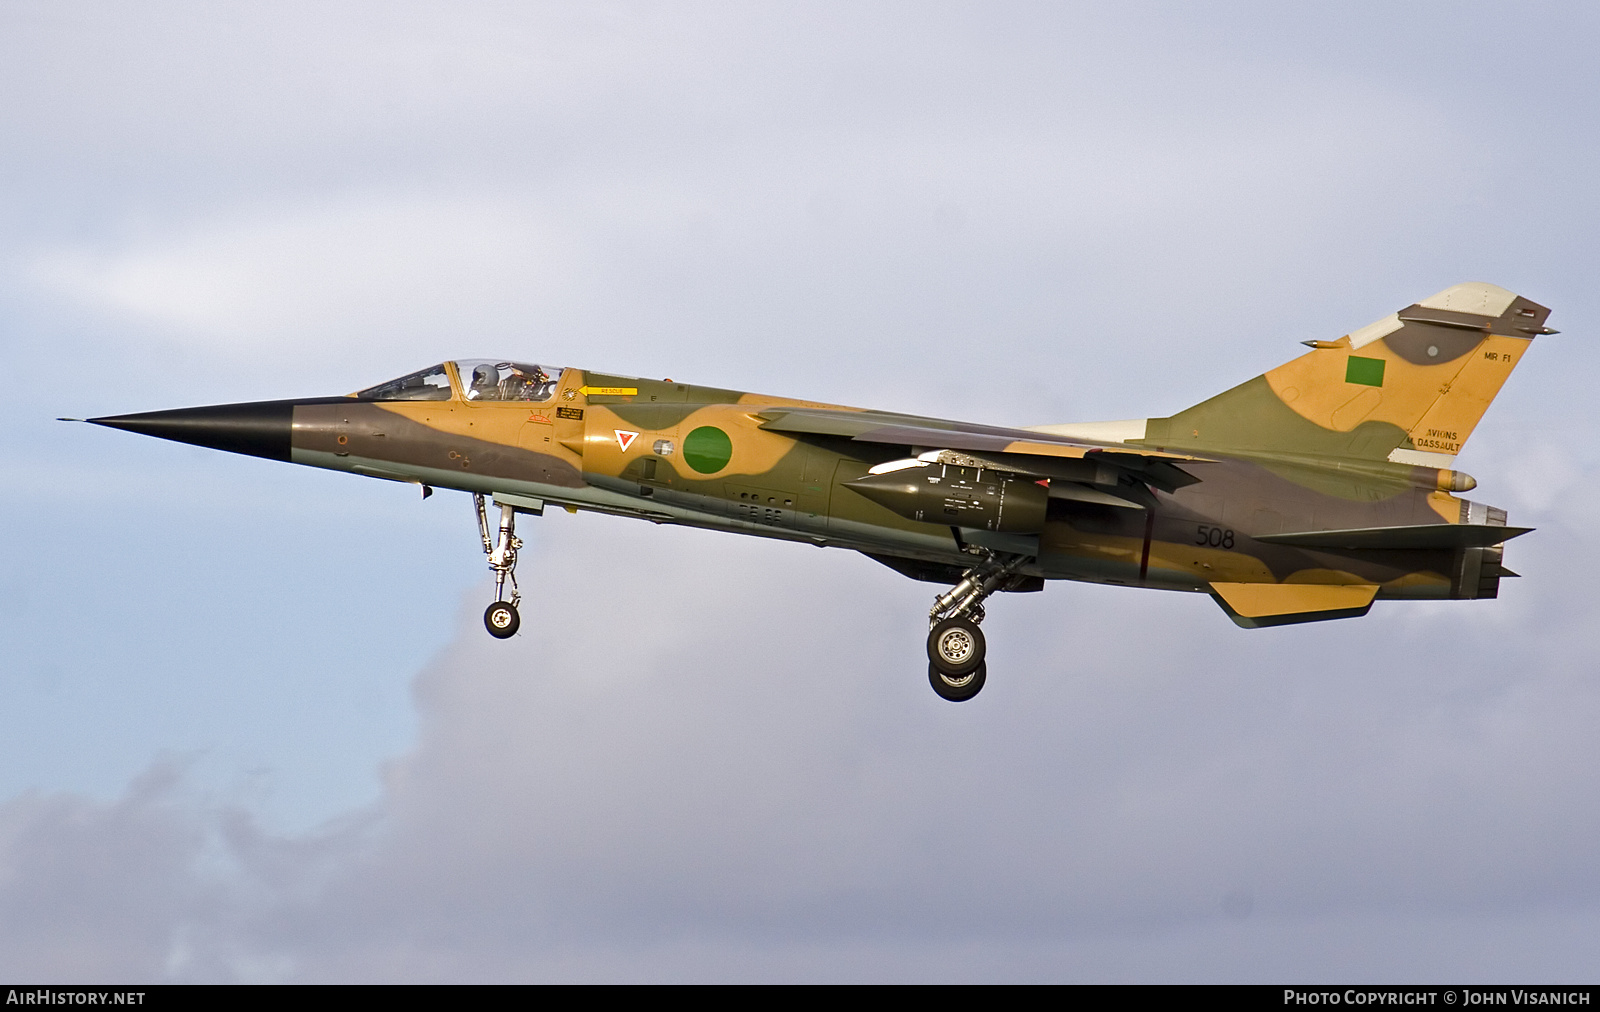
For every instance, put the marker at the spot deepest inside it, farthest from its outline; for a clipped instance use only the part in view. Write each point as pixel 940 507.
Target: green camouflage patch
pixel 1251 418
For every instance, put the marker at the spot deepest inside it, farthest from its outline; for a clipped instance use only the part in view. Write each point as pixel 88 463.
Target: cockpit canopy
pixel 480 379
pixel 424 385
pixel 487 380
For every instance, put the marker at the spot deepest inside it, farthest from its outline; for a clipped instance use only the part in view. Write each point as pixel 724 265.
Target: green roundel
pixel 707 449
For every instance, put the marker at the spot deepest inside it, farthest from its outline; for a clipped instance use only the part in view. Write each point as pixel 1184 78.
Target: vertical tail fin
pixel 1409 388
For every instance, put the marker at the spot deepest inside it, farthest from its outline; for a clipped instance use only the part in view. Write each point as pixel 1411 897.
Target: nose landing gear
pixel 501 618
pixel 956 647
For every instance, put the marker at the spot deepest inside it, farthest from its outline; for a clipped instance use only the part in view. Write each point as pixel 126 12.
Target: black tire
pixel 956 647
pixel 502 620
pixel 958 688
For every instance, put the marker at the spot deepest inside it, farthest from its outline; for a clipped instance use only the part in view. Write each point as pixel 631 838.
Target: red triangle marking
pixel 625 438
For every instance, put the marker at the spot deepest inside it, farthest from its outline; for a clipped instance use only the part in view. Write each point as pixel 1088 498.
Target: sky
pixel 255 730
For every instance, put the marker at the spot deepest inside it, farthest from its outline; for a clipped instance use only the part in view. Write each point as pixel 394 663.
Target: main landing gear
pixel 501 618
pixel 956 649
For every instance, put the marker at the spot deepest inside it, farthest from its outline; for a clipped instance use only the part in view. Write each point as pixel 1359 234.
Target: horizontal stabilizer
pixel 1400 538
pixel 1259 605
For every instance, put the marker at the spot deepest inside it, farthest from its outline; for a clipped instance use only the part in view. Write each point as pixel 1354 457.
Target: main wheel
pixel 957 688
pixel 502 620
pixel 956 647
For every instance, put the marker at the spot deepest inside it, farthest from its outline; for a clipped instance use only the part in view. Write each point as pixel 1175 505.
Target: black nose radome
pixel 261 429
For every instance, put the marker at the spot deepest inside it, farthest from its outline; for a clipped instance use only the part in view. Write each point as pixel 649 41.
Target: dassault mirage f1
pixel 1304 494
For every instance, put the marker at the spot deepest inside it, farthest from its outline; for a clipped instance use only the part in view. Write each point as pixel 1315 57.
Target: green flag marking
pixel 1366 371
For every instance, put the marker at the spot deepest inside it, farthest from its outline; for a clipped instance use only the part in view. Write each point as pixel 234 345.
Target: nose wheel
pixel 502 620
pixel 501 617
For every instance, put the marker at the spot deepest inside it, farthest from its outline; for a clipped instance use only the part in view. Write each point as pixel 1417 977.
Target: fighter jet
pixel 1304 494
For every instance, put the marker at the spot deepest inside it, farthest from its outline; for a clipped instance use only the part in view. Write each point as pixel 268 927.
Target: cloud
pixel 701 186
pixel 711 758
pixel 93 892
pixel 284 284
pixel 840 239
pixel 726 764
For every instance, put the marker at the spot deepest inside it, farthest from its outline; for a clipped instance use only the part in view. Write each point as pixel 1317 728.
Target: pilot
pixel 485 384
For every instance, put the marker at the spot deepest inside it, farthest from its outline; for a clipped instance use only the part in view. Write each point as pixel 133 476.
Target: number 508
pixel 1214 537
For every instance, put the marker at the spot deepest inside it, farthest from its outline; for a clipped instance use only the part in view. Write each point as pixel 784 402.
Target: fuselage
pixel 1301 495
pixel 678 453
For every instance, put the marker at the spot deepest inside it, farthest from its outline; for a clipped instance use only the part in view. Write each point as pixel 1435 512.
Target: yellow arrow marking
pixel 609 391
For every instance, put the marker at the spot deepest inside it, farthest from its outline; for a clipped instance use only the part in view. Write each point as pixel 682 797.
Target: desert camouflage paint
pixel 1306 493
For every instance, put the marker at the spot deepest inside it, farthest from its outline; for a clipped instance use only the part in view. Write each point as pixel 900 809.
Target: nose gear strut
pixel 956 647
pixel 501 618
